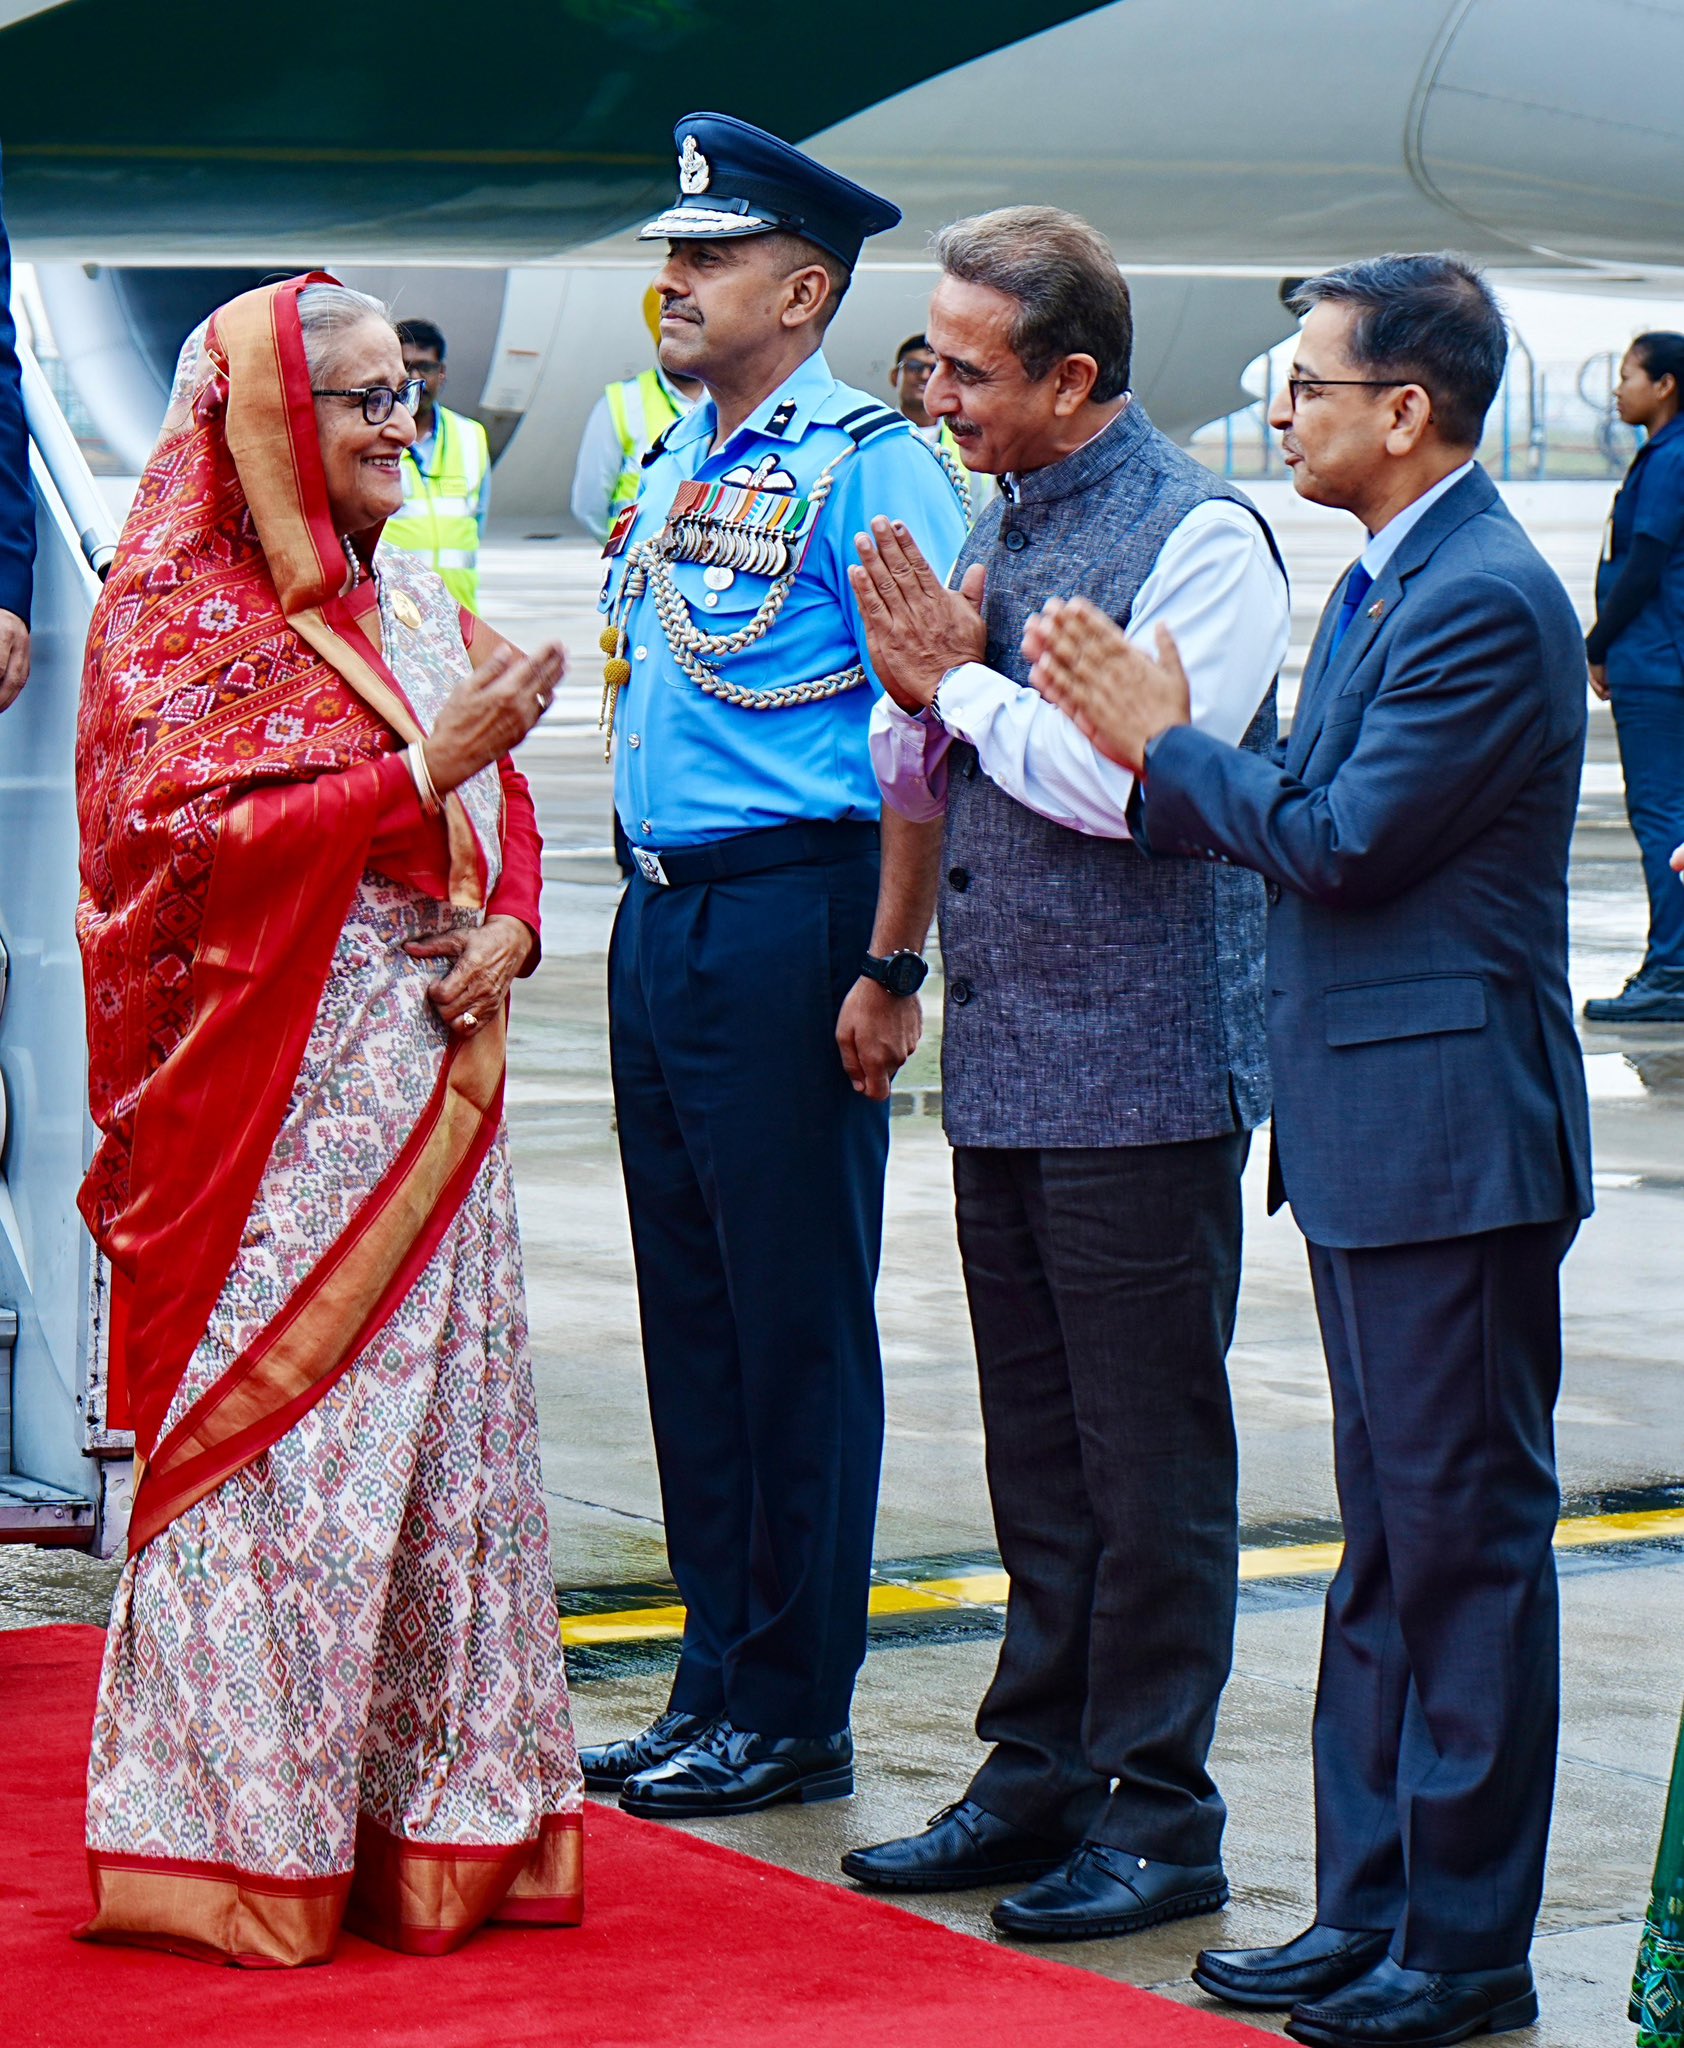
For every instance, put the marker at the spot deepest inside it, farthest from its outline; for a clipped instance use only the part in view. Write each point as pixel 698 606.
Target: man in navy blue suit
pixel 1431 1133
pixel 17 504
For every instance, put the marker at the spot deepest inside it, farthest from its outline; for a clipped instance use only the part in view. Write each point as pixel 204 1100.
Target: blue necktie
pixel 1357 586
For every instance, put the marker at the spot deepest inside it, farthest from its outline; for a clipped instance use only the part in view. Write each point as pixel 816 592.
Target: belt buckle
pixel 649 867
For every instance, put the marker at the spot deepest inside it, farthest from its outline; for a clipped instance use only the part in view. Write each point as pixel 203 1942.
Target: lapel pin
pixel 1377 608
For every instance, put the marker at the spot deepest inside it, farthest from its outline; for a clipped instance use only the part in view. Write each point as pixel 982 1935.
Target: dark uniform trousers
pixel 754 1177
pixel 1435 1725
pixel 1102 1284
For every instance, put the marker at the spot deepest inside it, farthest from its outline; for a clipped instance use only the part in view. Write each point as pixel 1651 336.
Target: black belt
pixel 748 853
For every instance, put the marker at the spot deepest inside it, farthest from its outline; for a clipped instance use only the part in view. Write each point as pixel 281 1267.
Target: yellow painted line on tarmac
pixel 989 1589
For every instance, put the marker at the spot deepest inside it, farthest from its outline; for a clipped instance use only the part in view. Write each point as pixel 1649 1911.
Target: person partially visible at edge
pixel 909 378
pixel 1636 655
pixel 1431 1133
pixel 333 1688
pixel 1099 1217
pixel 17 500
pixel 446 474
pixel 763 975
pixel 627 420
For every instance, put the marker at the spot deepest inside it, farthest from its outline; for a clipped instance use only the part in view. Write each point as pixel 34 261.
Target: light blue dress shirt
pixel 691 768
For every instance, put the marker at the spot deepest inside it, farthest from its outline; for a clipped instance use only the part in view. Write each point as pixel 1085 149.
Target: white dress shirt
pixel 1215 585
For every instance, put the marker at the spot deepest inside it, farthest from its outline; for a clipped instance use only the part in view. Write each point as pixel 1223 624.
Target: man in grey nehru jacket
pixel 1102 1070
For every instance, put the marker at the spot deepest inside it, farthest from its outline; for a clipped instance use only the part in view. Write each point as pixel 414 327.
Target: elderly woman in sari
pixel 333 1690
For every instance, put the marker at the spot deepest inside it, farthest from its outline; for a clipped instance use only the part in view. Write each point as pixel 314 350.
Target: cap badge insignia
pixel 695 173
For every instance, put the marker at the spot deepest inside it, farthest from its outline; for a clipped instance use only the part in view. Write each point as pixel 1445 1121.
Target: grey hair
pixel 327 313
pixel 1072 299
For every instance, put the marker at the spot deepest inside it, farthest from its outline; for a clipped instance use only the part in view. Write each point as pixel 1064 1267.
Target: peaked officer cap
pixel 734 179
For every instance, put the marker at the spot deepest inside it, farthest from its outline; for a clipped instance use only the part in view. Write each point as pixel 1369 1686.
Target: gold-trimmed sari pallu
pixel 333 1689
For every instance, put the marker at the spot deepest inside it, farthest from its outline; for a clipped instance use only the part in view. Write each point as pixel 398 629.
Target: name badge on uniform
pixel 620 532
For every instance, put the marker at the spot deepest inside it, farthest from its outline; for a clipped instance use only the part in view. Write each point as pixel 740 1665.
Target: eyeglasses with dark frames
pixel 1297 386
pixel 378 399
pixel 916 367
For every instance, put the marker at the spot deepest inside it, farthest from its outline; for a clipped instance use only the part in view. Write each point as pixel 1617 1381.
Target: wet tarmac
pixel 1621 1432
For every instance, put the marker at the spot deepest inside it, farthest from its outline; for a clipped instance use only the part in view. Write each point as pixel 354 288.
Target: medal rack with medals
pixel 727 528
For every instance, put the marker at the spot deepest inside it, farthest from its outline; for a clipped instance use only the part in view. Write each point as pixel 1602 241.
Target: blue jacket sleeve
pixel 1451 735
pixel 17 501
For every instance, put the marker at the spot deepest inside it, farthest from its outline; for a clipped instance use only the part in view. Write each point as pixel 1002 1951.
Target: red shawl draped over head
pixel 239 765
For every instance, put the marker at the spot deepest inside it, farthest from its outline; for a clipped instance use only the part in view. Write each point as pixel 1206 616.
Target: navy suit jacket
pixel 1415 830
pixel 17 500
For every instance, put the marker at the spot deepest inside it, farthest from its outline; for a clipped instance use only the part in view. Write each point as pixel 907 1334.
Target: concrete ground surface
pixel 1621 1433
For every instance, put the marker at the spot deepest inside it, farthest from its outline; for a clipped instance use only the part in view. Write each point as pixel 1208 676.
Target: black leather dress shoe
pixel 963 1845
pixel 1391 2007
pixel 728 1770
pixel 610 1764
pixel 1314 1963
pixel 1098 1890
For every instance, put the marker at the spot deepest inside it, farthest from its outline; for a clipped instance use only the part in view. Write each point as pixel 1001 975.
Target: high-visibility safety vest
pixel 642 410
pixel 439 504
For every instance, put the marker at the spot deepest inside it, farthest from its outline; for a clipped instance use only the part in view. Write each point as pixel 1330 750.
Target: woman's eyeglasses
pixel 378 399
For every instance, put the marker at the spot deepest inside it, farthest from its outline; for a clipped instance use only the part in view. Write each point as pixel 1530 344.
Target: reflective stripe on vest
pixel 439 517
pixel 642 410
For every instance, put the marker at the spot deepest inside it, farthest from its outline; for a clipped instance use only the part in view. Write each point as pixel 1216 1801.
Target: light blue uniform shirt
pixel 691 768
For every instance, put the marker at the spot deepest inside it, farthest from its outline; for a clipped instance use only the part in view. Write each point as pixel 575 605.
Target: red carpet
pixel 684 1943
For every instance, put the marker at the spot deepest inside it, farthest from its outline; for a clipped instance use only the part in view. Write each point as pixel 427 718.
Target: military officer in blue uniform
pixel 764 968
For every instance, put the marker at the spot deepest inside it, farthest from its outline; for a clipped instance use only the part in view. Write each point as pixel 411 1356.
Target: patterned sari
pixel 1657 1990
pixel 333 1688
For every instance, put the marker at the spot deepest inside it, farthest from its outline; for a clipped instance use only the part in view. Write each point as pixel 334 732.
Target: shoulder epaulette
pixel 659 445
pixel 866 420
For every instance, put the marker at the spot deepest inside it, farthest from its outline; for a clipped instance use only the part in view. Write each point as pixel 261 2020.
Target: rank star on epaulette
pixel 779 422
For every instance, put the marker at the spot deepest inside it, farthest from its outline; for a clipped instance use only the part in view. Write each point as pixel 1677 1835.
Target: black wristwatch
pixel 902 973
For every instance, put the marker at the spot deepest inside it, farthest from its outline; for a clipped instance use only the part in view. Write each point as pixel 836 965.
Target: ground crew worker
pixel 446 474
pixel 763 970
pixel 626 421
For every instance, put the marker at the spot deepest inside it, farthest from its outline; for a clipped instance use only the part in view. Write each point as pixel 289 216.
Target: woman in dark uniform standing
pixel 1636 654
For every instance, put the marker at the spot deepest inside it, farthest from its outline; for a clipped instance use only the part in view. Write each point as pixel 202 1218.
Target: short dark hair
pixel 1073 298
pixel 1662 355
pixel 421 334
pixel 911 342
pixel 1430 320
pixel 798 253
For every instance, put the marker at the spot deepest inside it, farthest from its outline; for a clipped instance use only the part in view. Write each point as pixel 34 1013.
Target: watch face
pixel 906 974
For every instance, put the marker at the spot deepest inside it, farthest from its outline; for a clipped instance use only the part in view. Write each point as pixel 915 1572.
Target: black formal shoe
pixel 728 1770
pixel 963 1845
pixel 1099 1890
pixel 1312 1964
pixel 1653 995
pixel 608 1766
pixel 1392 2007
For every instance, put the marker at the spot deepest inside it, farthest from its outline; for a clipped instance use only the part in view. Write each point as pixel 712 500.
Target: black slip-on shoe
pixel 1098 1890
pixel 1314 1963
pixel 731 1770
pixel 964 1845
pixel 1392 2007
pixel 610 1764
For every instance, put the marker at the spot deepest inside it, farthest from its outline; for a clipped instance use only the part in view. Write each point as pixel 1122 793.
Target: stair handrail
pixel 59 449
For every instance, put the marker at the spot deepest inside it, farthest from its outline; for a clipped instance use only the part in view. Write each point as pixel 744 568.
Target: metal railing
pixel 57 447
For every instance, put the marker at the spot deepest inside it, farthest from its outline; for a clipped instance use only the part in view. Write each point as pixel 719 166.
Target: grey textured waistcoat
pixel 1094 996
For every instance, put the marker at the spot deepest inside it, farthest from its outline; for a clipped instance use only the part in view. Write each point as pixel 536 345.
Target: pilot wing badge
pixel 694 171
pixel 767 474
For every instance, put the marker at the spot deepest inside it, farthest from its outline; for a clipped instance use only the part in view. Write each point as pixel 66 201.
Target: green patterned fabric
pixel 1657 1989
